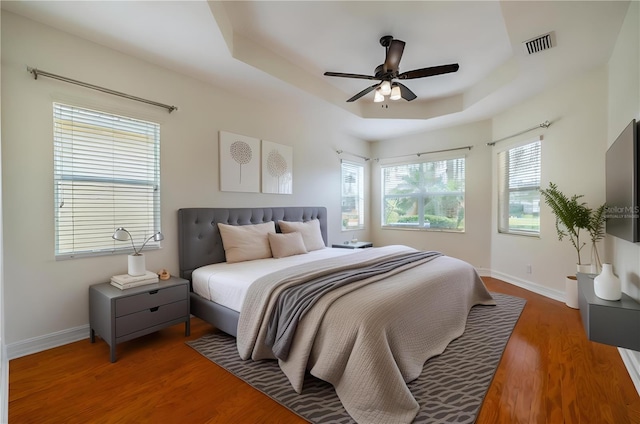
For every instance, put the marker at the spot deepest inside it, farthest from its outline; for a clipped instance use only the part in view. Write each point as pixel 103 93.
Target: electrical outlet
pixel 528 268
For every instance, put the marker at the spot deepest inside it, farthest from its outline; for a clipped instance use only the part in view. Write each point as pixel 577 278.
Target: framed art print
pixel 277 168
pixel 239 163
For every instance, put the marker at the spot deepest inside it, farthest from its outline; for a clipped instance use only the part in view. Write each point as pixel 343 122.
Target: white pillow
pixel 246 242
pixel 283 245
pixel 310 231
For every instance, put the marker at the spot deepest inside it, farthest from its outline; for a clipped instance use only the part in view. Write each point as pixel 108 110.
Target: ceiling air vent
pixel 542 42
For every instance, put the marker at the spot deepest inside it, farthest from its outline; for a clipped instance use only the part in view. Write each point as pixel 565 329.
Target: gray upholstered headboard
pixel 199 238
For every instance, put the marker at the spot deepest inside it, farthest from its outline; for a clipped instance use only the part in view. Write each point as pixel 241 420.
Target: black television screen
pixel 622 185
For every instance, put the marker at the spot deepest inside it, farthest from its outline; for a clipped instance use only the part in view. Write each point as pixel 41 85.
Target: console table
pixel 614 323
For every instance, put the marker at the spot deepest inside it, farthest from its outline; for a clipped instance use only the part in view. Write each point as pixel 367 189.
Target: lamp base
pixel 137 265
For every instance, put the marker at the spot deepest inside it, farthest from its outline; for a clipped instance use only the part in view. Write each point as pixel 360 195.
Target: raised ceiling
pixel 280 50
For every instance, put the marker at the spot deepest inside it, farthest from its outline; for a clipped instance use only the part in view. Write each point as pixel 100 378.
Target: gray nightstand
pixel 356 245
pixel 120 315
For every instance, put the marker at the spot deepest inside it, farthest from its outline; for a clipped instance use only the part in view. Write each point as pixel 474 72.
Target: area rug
pixel 450 389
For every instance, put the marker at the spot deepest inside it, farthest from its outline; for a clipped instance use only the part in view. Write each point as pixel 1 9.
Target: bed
pixel 367 338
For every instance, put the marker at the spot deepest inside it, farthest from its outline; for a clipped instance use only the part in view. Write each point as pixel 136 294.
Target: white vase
pixel 571 291
pixel 137 266
pixel 607 285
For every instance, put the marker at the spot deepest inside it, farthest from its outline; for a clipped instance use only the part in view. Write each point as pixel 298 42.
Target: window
pixel 519 190
pixel 427 195
pixel 106 175
pixel 352 196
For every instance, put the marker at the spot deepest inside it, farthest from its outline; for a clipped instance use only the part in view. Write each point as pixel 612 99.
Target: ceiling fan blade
pixel 394 54
pixel 405 93
pixel 429 72
pixel 363 92
pixel 340 74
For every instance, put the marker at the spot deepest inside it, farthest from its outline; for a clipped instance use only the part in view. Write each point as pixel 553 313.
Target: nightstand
pixel 120 315
pixel 356 245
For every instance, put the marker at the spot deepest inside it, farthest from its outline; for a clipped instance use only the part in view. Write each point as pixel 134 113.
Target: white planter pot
pixel 571 292
pixel 137 266
pixel 607 285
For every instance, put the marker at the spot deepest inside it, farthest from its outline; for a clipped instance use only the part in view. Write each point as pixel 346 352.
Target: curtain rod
pixel 38 72
pixel 352 154
pixel 427 153
pixel 545 124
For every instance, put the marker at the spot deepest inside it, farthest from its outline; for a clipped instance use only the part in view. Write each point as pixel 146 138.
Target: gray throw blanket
pixel 294 302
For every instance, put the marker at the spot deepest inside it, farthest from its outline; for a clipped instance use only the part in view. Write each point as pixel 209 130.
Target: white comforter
pixel 370 338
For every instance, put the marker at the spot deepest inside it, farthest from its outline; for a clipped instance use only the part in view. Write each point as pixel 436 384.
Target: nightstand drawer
pixel 152 298
pixel 149 317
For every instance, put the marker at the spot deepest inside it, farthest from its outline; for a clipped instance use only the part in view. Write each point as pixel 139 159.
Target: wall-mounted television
pixel 622 185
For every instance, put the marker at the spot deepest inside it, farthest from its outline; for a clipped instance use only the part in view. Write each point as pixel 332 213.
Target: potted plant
pixel 573 216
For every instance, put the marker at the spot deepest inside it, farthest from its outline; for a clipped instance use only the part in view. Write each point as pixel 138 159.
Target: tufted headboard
pixel 199 240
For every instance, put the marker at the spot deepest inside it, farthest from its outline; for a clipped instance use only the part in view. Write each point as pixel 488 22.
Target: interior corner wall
pixel 48 299
pixel 623 106
pixel 470 245
pixel 573 149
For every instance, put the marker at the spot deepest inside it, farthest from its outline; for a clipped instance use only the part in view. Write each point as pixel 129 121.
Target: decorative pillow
pixel 246 242
pixel 283 245
pixel 310 231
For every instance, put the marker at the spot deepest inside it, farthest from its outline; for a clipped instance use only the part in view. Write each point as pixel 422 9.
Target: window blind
pixel 106 175
pixel 427 195
pixel 519 189
pixel 352 195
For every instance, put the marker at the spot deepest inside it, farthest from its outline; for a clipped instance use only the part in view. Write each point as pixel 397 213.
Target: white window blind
pixel 519 189
pixel 426 195
pixel 106 175
pixel 352 196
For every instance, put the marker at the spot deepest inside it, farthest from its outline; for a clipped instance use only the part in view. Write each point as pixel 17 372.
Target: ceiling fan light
pixel 395 92
pixel 385 88
pixel 377 96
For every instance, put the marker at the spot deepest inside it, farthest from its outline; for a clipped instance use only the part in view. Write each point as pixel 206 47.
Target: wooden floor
pixel 550 373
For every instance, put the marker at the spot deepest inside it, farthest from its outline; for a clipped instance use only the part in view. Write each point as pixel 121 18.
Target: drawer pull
pixel 153 292
pixel 154 309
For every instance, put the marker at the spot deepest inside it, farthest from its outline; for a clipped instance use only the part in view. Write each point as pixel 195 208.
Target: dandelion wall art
pixel 239 163
pixel 277 168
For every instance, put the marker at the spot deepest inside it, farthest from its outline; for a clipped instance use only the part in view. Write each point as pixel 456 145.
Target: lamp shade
pixel 396 94
pixel 385 88
pixel 377 96
pixel 121 234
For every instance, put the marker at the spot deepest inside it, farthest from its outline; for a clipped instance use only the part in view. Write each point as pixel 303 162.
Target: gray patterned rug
pixel 450 389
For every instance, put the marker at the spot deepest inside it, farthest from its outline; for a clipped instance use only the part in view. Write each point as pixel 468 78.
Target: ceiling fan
pixel 389 71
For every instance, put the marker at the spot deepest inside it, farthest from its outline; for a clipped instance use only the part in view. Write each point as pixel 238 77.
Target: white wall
pixel 47 299
pixel 471 245
pixel 623 106
pixel 4 362
pixel 573 150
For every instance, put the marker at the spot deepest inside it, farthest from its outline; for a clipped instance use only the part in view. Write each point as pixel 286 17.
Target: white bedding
pixel 227 284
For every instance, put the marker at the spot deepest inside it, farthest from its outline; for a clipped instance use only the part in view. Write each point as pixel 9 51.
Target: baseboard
pixel 48 341
pixel 631 361
pixel 528 285
pixel 483 272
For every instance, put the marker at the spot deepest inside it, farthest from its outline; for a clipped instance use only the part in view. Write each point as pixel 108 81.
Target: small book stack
pixel 127 281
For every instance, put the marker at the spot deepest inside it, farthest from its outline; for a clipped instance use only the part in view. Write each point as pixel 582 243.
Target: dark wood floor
pixel 550 373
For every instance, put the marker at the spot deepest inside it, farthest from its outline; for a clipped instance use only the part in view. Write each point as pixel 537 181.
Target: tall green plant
pixel 597 219
pixel 571 215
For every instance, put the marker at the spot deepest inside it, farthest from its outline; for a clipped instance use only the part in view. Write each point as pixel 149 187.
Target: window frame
pixel 503 208
pixel 76 127
pixel 422 196
pixel 359 196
